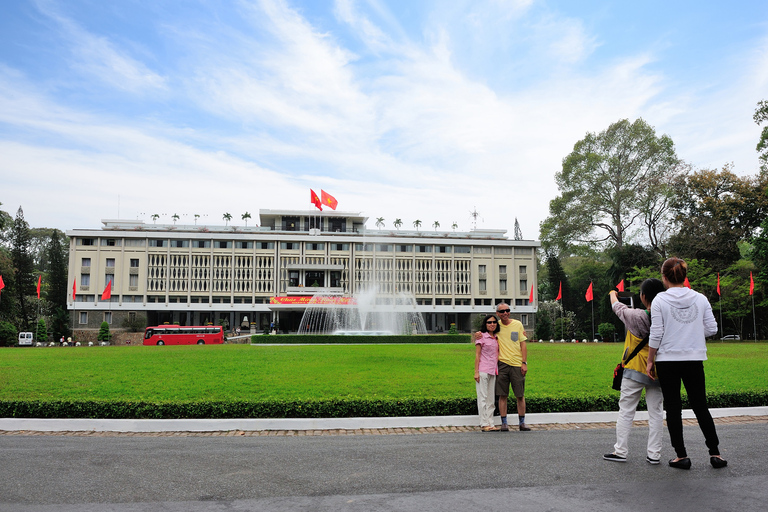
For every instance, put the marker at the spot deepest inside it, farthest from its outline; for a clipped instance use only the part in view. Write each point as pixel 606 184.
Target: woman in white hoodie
pixel 681 319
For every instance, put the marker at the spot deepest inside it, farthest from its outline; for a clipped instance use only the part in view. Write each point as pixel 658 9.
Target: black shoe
pixel 684 463
pixel 524 428
pixel 718 462
pixel 652 461
pixel 613 457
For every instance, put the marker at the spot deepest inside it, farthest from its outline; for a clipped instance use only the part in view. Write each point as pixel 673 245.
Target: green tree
pixel 104 334
pixel 760 117
pixel 41 334
pixel 397 224
pixel 25 283
pixel 8 334
pixel 245 217
pixel 604 184
pixel 56 291
pixel 155 216
pixel 379 222
pixel 714 211
pixel 7 299
pixel 135 324
pixel 227 217
pixel 607 331
pixel 436 225
pixel 417 224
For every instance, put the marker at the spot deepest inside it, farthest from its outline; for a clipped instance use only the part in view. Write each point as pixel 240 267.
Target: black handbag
pixel 618 372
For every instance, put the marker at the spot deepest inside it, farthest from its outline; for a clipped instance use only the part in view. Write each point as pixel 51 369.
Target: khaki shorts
pixel 510 375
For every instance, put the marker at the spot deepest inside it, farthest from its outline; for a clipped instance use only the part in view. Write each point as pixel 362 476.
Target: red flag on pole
pixel 560 293
pixel 2 284
pixel 107 292
pixel 328 199
pixel 74 288
pixel 687 283
pixel 620 286
pixel 530 298
pixel 718 283
pixel 39 282
pixel 751 284
pixel 588 295
pixel 315 200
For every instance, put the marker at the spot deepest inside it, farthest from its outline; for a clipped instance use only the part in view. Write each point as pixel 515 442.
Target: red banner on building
pixel 305 300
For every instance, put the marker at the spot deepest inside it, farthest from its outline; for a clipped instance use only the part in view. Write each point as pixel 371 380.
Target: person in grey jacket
pixel 681 319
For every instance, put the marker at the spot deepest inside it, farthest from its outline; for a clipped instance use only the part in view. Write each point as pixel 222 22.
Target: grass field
pixel 312 372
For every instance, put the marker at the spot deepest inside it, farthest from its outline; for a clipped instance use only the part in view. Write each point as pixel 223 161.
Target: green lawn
pixel 313 372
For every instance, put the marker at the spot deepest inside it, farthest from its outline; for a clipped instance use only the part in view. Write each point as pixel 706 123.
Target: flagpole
pixel 720 303
pixel 754 320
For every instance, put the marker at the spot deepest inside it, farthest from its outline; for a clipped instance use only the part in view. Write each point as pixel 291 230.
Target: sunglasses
pixel 503 311
pixel 491 322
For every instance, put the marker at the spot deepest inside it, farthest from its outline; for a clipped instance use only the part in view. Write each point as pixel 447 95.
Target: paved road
pixel 528 471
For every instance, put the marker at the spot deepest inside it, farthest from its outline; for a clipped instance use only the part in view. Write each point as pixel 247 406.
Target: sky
pixel 417 110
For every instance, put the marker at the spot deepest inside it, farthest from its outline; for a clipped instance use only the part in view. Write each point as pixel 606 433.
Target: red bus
pixel 183 335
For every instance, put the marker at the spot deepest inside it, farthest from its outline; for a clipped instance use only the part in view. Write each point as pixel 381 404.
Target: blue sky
pixel 400 109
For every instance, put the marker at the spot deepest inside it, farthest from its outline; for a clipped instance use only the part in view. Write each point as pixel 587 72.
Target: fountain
pixel 365 313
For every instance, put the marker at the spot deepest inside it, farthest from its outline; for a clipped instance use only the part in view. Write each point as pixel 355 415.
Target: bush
pixel 42 331
pixel 104 334
pixel 137 324
pixel 606 330
pixel 328 339
pixel 8 334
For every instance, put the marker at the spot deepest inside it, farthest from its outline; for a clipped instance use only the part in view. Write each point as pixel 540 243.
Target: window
pixel 503 250
pixel 86 241
pixel 134 262
pixel 482 250
pixel 503 285
pixel 315 247
pixel 521 302
pixel 158 243
pixel 243 245
pixel 265 245
pixel 483 285
pixel 335 279
pixel 110 263
pixel 134 243
pixel 111 242
pixel 481 269
pixel 363 247
pixel 109 278
pixel 523 250
pixel 133 280
pixel 462 249
pixel 384 247
pixel 523 286
pixel 293 278
pixel 201 244
pixel 293 246
pixel 222 244
pixel 179 243
pixel 131 316
pixel 86 262
pixel 83 317
pixel 338 225
pixel 524 319
pixel 404 248
pixel 290 223
pixel 108 317
pixel 502 269
pixel 423 248
pixel 443 248
pixel 85 280
pixel 339 247
pixel 523 269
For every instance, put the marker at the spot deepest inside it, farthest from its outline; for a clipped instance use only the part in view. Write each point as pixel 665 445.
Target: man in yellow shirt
pixel 513 365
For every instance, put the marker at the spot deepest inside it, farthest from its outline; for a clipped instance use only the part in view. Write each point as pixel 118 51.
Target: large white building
pixel 192 275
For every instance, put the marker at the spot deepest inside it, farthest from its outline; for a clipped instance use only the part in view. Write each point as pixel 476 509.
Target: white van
pixel 26 339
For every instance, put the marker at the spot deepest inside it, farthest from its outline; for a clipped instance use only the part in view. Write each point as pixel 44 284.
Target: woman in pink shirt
pixel 486 369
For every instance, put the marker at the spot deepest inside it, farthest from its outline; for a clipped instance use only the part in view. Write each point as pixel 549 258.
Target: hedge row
pixel 355 339
pixel 341 408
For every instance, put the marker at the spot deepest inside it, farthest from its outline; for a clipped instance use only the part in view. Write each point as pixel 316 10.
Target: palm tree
pixel 397 224
pixel 416 224
pixel 454 225
pixel 436 225
pixel 379 222
pixel 175 217
pixel 197 216
pixel 155 216
pixel 245 217
pixel 227 217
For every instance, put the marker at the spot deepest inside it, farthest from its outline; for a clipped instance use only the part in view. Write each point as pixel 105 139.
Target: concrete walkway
pixel 545 421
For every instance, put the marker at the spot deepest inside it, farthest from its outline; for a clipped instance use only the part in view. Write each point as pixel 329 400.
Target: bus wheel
pixel 201 342
pixel 161 342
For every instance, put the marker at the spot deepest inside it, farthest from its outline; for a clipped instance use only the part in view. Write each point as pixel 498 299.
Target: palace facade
pixel 256 276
